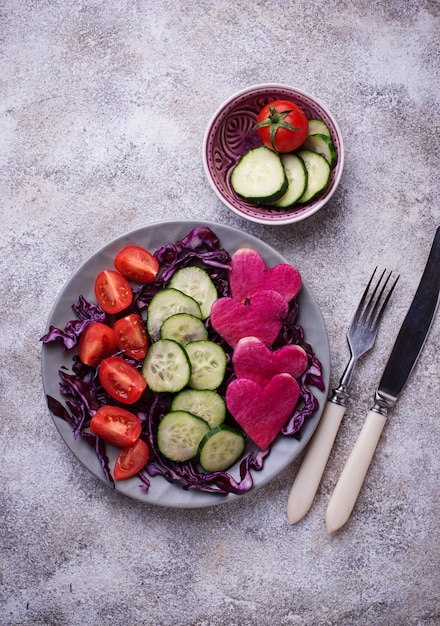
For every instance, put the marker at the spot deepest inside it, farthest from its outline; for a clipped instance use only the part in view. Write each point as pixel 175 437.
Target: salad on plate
pixel 188 364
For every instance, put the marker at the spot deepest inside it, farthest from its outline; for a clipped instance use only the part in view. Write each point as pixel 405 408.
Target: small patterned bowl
pixel 230 134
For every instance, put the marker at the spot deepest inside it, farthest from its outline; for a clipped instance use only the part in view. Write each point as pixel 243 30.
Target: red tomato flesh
pixel 131 336
pixel 121 380
pixel 282 126
pixel 113 291
pixel 136 263
pixel 131 460
pixel 97 342
pixel 116 425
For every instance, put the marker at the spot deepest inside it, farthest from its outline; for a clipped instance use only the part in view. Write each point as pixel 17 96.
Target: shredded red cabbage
pixel 86 312
pixel 84 394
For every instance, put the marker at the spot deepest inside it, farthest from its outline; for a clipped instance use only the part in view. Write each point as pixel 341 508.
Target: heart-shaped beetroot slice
pixel 249 275
pixel 254 360
pixel 261 316
pixel 262 411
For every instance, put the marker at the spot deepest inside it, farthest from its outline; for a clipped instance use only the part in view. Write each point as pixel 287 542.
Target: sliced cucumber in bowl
pixel 296 173
pixel 318 175
pixel 323 145
pixel 318 127
pixel 259 176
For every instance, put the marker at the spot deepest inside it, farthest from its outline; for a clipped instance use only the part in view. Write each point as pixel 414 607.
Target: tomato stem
pixel 275 121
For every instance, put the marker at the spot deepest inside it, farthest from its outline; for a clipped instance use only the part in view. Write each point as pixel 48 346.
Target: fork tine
pixel 369 312
pixel 360 307
pixel 378 313
pixel 372 303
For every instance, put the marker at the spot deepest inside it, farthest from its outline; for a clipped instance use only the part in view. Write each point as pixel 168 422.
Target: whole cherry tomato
pixel 282 126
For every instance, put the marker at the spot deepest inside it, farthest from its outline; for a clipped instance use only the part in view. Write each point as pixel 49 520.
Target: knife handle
pixel 312 468
pixel 352 477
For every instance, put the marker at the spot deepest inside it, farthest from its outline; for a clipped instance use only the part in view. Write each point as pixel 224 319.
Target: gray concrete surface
pixel 102 113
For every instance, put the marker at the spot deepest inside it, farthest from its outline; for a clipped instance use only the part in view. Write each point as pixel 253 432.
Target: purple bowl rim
pixel 289 219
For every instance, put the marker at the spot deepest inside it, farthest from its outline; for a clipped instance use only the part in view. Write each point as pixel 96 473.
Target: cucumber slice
pixel 318 175
pixel 205 403
pixel 220 448
pixel 165 303
pixel 259 176
pixel 195 282
pixel 183 328
pixel 208 364
pixel 166 366
pixel 179 435
pixel 324 146
pixel 318 127
pixel 297 178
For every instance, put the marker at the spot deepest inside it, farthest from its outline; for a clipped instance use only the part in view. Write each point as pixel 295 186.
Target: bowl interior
pixel 231 134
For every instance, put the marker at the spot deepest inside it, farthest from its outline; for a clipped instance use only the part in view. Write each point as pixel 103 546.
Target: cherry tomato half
pixel 131 460
pixel 282 126
pixel 136 263
pixel 121 380
pixel 116 425
pixel 97 342
pixel 131 336
pixel 113 291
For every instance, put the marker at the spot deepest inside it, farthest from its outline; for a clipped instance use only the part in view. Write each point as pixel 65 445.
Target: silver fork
pixel 360 336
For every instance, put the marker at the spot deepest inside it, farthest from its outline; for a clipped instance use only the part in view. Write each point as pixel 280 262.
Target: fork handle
pixel 312 468
pixel 352 477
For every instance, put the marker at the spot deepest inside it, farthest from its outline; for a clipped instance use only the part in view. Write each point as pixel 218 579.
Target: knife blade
pixel 407 348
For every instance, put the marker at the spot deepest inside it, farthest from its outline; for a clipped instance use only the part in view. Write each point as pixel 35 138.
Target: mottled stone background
pixel 102 112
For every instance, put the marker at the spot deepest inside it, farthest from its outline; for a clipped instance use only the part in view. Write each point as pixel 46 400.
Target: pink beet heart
pixel 262 317
pixel 249 275
pixel 262 411
pixel 254 360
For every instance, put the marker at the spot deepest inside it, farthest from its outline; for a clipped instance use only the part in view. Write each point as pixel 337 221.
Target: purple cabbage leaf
pixel 87 312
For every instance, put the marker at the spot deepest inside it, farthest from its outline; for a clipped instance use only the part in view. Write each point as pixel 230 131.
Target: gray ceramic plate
pixel 152 237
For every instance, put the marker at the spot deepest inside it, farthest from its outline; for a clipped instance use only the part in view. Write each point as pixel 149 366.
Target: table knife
pixel 406 350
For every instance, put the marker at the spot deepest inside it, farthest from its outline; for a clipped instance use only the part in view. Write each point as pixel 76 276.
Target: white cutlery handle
pixel 312 468
pixel 350 482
